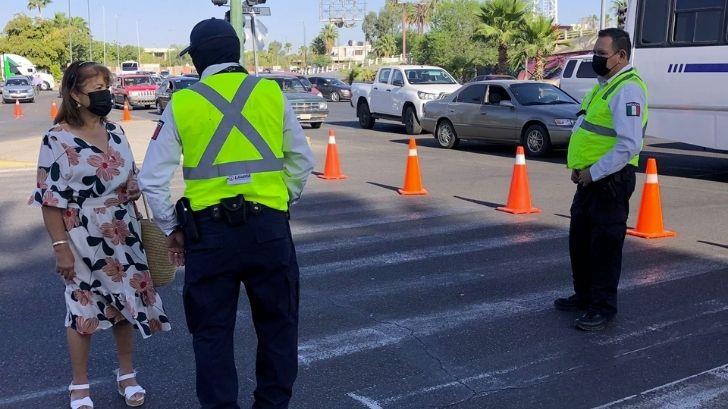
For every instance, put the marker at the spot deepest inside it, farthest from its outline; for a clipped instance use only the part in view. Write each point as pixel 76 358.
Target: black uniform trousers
pixel 598 226
pixel 261 255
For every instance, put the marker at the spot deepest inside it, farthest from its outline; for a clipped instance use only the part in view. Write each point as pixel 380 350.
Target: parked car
pixel 169 87
pixel 136 90
pixel 578 76
pixel 332 88
pixel 18 88
pixel 489 77
pixel 399 93
pixel 537 115
pixel 309 109
pixel 164 74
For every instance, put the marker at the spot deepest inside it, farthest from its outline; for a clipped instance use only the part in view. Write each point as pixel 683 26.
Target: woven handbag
pixel 155 245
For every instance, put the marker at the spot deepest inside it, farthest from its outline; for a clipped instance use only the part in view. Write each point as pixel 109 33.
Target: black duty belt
pixel 251 208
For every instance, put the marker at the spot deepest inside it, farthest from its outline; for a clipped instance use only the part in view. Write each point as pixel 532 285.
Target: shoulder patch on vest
pixel 160 124
pixel 633 109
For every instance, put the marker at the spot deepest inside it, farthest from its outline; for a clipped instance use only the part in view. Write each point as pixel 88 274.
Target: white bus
pixel 680 48
pixel 129 67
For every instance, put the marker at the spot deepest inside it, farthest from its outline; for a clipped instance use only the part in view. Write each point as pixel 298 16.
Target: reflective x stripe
pixel 232 117
pixel 601 130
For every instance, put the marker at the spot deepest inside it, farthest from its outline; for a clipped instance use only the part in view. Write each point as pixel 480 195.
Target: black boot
pixel 573 303
pixel 593 321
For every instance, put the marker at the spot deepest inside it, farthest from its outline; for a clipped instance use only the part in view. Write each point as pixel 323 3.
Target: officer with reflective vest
pixel 245 160
pixel 603 155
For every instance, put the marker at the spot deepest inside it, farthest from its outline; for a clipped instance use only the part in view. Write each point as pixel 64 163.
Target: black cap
pixel 207 30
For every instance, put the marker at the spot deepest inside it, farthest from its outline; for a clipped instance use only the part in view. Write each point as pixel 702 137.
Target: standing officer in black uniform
pixel 245 160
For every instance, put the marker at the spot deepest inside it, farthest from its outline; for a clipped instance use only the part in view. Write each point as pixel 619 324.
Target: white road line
pixel 13 400
pixel 369 403
pixel 404 256
pixel 377 237
pixel 299 228
pixel 393 331
pixel 686 395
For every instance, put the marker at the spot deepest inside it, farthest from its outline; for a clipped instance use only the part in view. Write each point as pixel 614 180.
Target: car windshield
pixel 429 76
pixel 17 81
pixel 306 83
pixel 183 83
pixel 130 82
pixel 289 84
pixel 540 94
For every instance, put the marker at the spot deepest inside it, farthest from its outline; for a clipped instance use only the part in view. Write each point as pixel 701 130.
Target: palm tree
pixel 287 47
pixel 420 14
pixel 501 21
pixel 537 40
pixel 329 34
pixel 386 46
pixel 38 4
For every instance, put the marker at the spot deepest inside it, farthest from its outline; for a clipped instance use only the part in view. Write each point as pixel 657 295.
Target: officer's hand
pixel 575 176
pixel 176 245
pixel 585 177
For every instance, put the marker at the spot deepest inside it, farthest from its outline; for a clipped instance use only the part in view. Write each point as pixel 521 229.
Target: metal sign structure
pixel 261 11
pixel 342 13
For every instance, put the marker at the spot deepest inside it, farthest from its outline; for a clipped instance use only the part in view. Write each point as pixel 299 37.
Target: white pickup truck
pixel 399 93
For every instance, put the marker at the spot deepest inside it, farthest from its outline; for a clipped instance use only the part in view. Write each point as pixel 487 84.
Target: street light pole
pixel 237 20
pixel 602 19
pixel 103 9
pixel 118 53
pixel 139 47
pixel 70 34
pixel 90 36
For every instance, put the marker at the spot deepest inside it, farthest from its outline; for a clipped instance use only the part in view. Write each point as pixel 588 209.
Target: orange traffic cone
pixel 127 114
pixel 649 219
pixel 332 168
pixel 18 112
pixel 412 176
pixel 519 197
pixel 54 110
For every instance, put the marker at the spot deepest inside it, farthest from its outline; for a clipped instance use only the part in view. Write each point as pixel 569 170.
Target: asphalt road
pixel 434 301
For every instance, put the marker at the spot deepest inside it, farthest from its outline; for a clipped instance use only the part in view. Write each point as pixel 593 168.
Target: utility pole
pixel 90 36
pixel 404 31
pixel 603 17
pixel 118 53
pixel 305 48
pixel 70 34
pixel 103 9
pixel 237 20
pixel 139 47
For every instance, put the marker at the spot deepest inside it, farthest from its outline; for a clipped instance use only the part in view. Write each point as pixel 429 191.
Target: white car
pixel 399 93
pixel 578 76
pixel 45 81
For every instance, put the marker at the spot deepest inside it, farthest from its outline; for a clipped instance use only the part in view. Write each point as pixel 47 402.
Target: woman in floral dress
pixel 86 186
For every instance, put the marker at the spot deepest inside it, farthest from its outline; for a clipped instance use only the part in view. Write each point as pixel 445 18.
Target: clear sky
pixel 165 22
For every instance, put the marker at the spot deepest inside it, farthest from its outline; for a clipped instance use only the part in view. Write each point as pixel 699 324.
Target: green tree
pixel 369 27
pixel 620 11
pixel 38 4
pixel 420 14
pixel 329 34
pixel 536 40
pixel 318 46
pixel 385 46
pixel 502 22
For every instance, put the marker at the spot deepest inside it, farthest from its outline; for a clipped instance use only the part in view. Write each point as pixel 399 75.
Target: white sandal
pixel 129 391
pixel 79 403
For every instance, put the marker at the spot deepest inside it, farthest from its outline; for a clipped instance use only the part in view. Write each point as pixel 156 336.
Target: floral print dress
pixel 112 282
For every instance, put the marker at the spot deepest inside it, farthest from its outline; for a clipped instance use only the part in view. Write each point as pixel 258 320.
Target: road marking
pixel 405 256
pixel 377 220
pixel 393 331
pixel 686 395
pixel 11 400
pixel 377 237
pixel 369 403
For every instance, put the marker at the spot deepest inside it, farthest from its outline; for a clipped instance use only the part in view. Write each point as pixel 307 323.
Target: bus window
pixel 585 70
pixel 698 21
pixel 569 69
pixel 654 22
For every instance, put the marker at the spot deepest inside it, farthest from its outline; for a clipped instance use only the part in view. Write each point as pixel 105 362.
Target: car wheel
pixel 335 97
pixel 45 86
pixel 411 123
pixel 315 125
pixel 159 107
pixel 446 135
pixel 536 141
pixel 365 116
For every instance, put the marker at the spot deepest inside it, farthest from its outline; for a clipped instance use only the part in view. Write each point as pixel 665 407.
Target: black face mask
pixel 99 102
pixel 599 64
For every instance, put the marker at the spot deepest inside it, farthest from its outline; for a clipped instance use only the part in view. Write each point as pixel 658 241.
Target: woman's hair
pixel 73 78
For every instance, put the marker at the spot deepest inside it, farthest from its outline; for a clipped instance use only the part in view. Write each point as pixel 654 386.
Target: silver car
pixel 18 89
pixel 535 114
